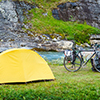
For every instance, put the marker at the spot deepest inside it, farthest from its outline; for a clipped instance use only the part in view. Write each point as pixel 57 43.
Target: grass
pixel 81 85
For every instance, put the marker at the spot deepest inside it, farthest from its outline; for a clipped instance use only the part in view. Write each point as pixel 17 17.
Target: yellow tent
pixel 23 65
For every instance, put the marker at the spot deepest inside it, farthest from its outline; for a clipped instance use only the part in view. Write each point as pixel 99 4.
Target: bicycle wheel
pixel 72 66
pixel 96 64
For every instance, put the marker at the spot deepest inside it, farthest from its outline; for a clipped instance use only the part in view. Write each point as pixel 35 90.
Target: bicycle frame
pixel 81 56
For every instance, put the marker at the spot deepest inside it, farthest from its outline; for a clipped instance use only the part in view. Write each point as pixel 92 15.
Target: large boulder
pixel 95 39
pixel 82 10
pixel 55 46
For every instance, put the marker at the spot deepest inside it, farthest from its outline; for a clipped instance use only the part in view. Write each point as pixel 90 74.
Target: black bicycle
pixel 74 59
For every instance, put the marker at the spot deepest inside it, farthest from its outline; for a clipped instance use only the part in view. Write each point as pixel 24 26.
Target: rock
pixel 55 46
pixel 54 40
pixel 23 44
pixel 3 49
pixel 65 44
pixel 55 14
pixel 94 39
pixel 45 14
pixel 98 1
pixel 86 45
pixel 83 10
pixel 11 19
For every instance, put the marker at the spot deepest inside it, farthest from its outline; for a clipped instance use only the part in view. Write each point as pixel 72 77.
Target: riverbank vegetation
pixel 44 23
pixel 81 85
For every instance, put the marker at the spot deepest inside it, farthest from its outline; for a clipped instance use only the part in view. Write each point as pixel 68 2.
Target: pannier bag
pixel 69 54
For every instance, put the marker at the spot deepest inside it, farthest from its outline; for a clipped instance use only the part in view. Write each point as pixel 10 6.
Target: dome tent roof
pixel 23 65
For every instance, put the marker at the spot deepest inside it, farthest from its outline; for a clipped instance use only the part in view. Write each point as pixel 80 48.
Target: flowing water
pixel 51 55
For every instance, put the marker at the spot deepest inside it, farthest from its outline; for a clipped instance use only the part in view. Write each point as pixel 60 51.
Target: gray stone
pixel 86 45
pixel 94 37
pixel 98 1
pixel 94 41
pixel 54 40
pixel 65 44
pixel 84 10
pixel 23 44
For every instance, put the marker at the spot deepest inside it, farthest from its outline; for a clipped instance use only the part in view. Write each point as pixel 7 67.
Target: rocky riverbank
pixel 12 35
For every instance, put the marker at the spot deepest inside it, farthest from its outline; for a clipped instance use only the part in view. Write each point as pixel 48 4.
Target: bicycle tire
pixel 98 70
pixel 97 67
pixel 73 67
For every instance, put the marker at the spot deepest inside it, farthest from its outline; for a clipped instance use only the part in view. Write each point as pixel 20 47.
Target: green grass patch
pixel 81 85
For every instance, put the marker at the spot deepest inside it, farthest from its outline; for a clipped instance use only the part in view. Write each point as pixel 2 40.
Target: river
pixel 50 55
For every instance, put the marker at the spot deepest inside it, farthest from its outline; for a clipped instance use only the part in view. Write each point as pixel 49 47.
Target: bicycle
pixel 74 59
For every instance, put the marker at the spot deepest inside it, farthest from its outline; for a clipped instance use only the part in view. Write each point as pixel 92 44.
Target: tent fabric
pixel 23 65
